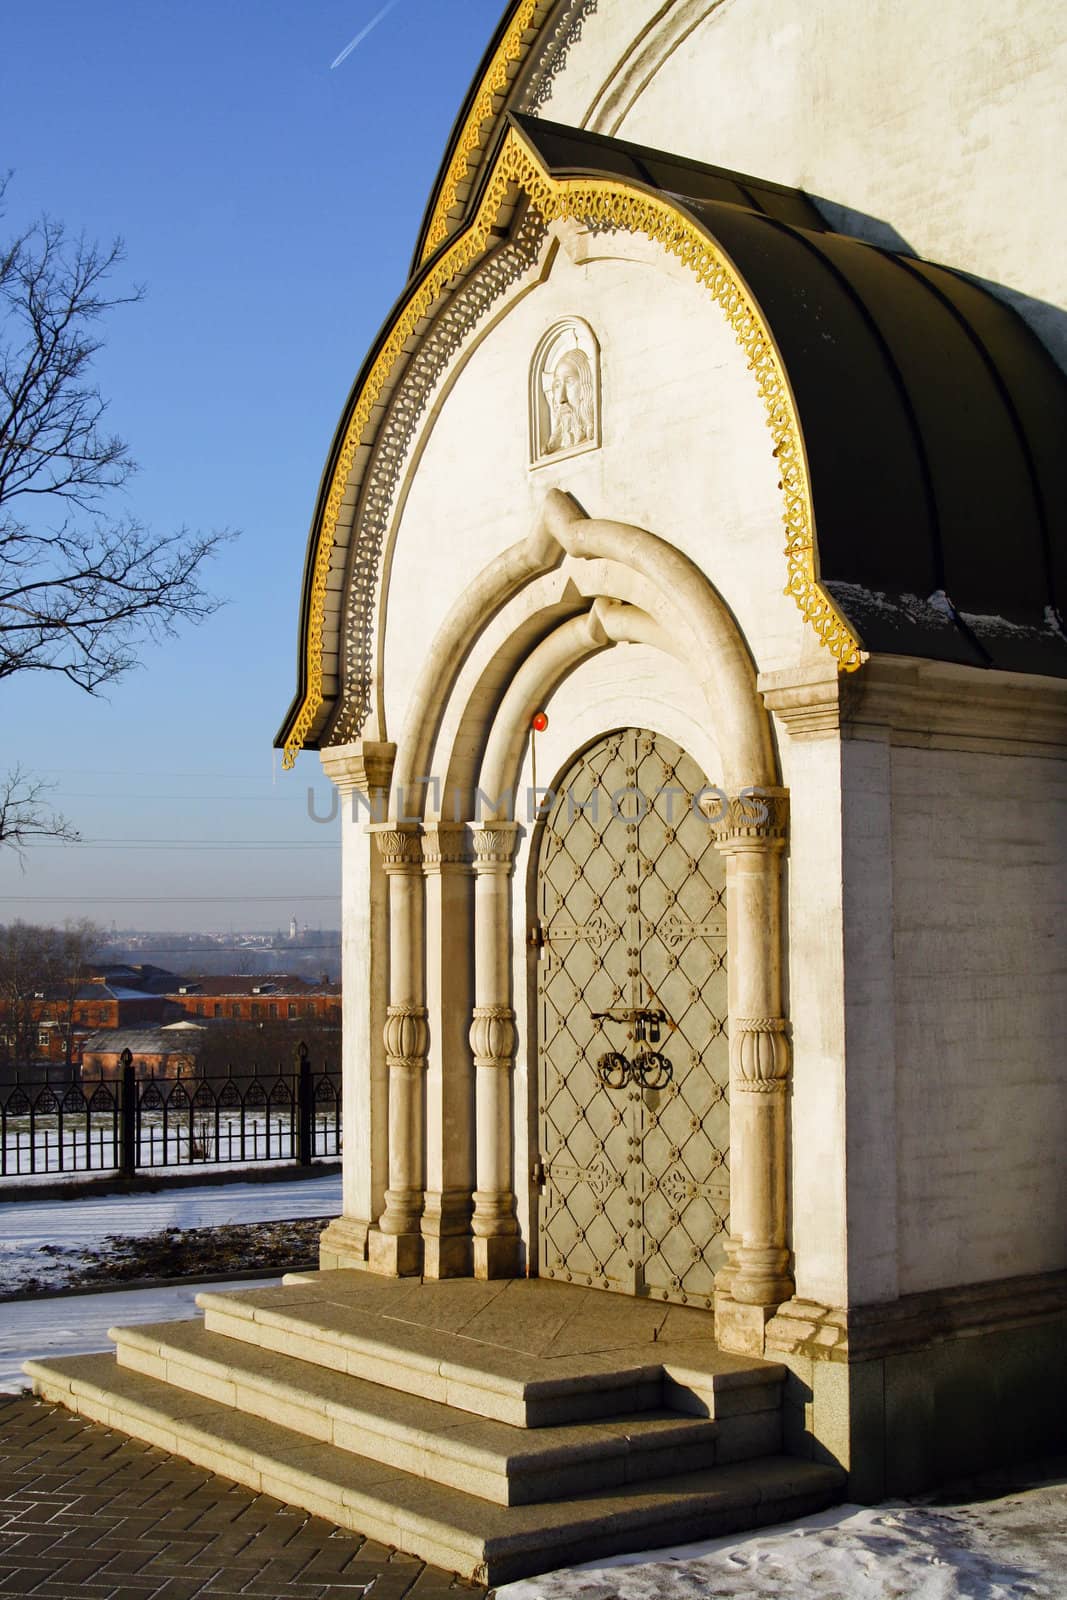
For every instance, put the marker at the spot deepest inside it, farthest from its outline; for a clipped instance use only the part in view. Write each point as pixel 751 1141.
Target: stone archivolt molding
pixel 760 1055
pixel 470 303
pixel 550 55
pixel 601 205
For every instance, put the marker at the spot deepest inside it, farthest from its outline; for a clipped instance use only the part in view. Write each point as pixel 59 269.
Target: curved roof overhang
pixel 916 419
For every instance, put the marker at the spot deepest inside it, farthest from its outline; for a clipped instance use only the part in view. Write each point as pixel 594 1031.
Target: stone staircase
pixel 494 1429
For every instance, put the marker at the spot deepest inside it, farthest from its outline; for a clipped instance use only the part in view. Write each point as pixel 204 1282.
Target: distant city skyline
pixel 270 205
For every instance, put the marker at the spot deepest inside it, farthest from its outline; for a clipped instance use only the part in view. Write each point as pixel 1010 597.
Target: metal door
pixel 631 984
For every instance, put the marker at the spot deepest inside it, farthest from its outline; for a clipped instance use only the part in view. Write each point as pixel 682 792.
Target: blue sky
pixel 269 204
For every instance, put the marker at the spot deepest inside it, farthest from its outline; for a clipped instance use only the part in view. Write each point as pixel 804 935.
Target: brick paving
pixel 88 1514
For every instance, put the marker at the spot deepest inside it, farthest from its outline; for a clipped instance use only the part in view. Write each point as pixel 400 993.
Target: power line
pixel 192 844
pixel 293 897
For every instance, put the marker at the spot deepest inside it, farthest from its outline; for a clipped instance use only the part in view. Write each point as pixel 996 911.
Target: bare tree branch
pixel 26 815
pixel 81 591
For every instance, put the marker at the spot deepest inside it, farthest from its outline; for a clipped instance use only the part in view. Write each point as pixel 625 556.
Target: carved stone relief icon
pixel 565 392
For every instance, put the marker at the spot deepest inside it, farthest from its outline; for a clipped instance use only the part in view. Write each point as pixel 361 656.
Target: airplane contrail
pixel 362 34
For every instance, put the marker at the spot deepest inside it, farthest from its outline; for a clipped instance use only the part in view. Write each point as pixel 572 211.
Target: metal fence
pixel 128 1124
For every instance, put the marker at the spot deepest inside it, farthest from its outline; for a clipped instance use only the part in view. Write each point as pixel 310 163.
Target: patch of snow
pixel 38 1236
pixel 1003 1549
pixel 77 1324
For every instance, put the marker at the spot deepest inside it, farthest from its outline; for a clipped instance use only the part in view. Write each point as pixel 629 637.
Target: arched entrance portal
pixel 632 1005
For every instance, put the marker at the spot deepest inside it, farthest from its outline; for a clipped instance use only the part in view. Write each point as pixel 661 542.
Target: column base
pixel 741 1329
pixel 447 1256
pixel 499 1256
pixel 394 1255
pixel 343 1243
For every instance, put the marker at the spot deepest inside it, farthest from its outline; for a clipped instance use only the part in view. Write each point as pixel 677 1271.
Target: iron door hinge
pixel 537 1174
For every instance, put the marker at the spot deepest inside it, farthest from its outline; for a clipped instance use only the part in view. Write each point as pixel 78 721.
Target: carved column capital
pixel 760 1055
pixel 494 846
pixel 445 844
pixel 753 819
pixel 492 1036
pixel 365 766
pixel 406 1035
pixel 400 847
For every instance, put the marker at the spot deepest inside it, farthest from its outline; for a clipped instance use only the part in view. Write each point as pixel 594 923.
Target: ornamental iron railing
pixel 127 1123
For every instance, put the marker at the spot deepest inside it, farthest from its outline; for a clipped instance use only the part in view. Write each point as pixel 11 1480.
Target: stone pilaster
pixel 492 1042
pixel 361 769
pixel 446 1216
pixel 751 832
pixel 395 1245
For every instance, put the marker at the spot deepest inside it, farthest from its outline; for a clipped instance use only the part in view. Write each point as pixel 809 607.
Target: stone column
pixel 751 833
pixel 362 772
pixel 395 1244
pixel 446 1217
pixel 492 1040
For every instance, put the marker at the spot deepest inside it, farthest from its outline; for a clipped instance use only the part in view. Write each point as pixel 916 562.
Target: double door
pixel 633 1063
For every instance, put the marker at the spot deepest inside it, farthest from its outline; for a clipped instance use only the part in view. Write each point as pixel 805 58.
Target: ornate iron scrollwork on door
pixel 649 1069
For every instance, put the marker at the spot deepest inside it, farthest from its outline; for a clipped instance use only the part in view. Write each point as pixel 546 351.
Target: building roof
pixel 927 420
pixel 933 418
pixel 273 986
pixel 139 1042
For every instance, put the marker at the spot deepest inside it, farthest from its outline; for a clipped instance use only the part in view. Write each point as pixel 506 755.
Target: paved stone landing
pixel 492 1429
pixel 88 1514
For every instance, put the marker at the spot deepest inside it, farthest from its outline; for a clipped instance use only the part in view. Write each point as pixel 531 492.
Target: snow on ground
pixel 77 1324
pixel 1003 1549
pixel 43 1239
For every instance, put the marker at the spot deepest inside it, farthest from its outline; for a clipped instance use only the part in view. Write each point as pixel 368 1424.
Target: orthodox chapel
pixel 683 626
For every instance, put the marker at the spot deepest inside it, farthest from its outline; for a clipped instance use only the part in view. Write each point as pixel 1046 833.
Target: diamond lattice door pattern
pixel 632 918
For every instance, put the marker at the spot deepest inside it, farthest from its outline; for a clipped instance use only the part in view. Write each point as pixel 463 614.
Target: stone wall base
pixel 343 1243
pixel 934 1386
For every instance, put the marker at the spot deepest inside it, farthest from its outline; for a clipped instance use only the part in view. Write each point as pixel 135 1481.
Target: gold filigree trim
pixel 495 82
pixel 597 203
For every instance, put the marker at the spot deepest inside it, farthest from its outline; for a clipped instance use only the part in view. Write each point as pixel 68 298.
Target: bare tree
pixel 25 814
pixel 41 970
pixel 81 589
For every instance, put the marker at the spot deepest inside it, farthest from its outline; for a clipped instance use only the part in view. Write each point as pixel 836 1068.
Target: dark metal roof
pixel 934 420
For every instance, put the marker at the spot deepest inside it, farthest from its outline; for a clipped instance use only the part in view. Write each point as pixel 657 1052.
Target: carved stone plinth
pixel 394 1255
pixel 498 1257
pixel 343 1243
pixel 741 1328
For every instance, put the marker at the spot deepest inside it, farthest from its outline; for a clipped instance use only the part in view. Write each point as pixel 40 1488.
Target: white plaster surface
pixel 935 127
pixel 686 453
pixel 980 964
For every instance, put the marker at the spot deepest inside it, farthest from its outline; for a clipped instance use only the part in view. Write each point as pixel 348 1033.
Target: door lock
pixel 649 1068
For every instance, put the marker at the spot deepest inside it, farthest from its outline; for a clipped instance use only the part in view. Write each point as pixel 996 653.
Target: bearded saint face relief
pixel 569 391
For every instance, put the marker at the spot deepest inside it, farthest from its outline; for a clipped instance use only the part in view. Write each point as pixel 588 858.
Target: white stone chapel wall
pixel 686 453
pixel 936 126
pixel 980 963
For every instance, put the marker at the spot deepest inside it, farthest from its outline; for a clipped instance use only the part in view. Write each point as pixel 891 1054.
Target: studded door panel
pixel 632 917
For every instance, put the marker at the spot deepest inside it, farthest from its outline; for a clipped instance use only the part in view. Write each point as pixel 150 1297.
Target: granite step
pixel 438 1523
pixel 494 1460
pixel 337 1329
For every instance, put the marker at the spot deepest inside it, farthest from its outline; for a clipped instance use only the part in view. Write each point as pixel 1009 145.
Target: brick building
pixel 170 1049
pixel 278 998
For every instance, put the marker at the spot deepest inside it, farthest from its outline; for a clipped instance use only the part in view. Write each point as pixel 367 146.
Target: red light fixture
pixel 539 721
